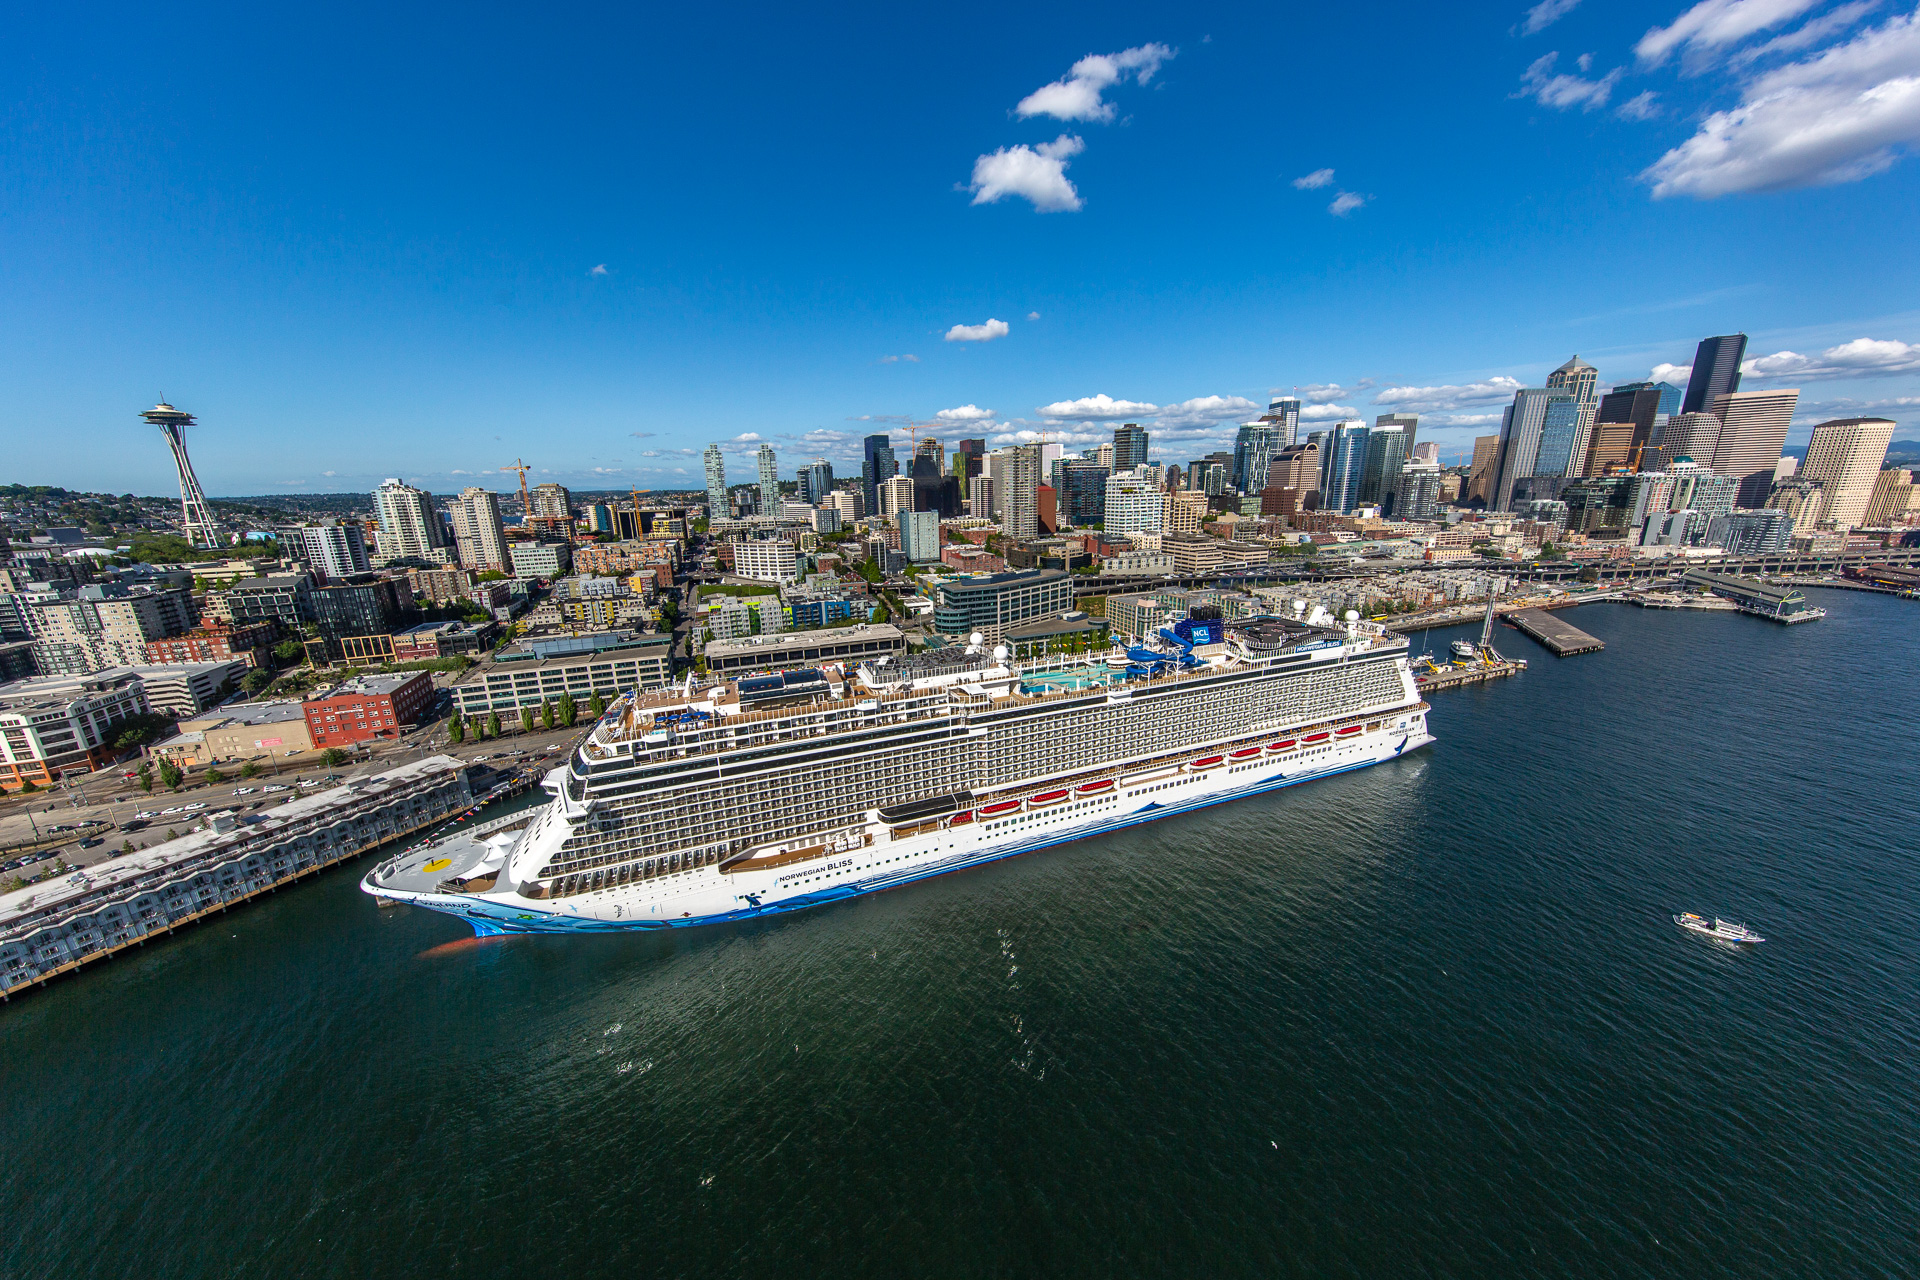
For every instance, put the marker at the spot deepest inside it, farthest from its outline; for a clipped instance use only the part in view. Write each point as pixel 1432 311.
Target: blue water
pixel 1430 1018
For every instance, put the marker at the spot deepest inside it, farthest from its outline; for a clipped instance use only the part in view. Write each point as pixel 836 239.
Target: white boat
pixel 1465 650
pixel 1724 930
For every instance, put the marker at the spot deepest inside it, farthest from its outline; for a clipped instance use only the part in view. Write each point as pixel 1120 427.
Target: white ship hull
pixel 875 857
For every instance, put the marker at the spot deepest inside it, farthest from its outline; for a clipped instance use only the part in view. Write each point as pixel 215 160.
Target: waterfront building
pixel 876 467
pixel 367 708
pixel 1716 372
pixel 410 529
pixel 766 560
pixel 1751 533
pixel 478 531
pixel 1845 456
pixel 538 670
pixel 848 645
pixel 52 725
pixel 716 466
pixel 991 604
pixel 1753 430
pixel 1129 447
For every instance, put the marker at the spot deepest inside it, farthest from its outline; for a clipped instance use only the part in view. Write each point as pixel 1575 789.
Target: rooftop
pixel 865 633
pixel 372 686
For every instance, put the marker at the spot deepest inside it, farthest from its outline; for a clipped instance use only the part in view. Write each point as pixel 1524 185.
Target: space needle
pixel 196 517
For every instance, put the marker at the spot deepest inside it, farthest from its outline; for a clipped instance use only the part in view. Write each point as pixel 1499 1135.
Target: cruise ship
pixel 743 798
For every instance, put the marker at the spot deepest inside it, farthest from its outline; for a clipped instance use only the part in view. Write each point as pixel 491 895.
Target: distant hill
pixel 1900 452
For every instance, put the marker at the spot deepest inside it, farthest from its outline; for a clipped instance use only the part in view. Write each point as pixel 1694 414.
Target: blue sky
pixel 360 244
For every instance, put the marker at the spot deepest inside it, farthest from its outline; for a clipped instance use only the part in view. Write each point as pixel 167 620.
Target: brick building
pixel 367 708
pixel 218 641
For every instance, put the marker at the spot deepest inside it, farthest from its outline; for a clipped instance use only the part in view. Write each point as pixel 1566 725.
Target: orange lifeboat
pixel 1094 788
pixel 1316 737
pixel 995 810
pixel 1349 731
pixel 1046 798
pixel 1208 762
pixel 1285 744
pixel 1245 753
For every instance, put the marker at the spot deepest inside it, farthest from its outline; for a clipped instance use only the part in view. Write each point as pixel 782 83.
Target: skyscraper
pixel 1285 414
pixel 1254 449
pixel 1417 496
pixel 1892 497
pixel 716 484
pixel 1484 470
pixel 1426 451
pixel 1716 371
pixel 197 522
pixel 876 468
pixel 478 531
pixel 1345 467
pixel 1080 486
pixel 1753 429
pixel 1389 445
pixel 1845 456
pixel 769 482
pixel 1129 447
pixel 1644 408
pixel 1134 504
pixel 1523 436
pixel 816 481
pixel 335 551
pixel 1690 435
pixel 966 463
pixel 1016 484
pixel 1577 378
pixel 409 527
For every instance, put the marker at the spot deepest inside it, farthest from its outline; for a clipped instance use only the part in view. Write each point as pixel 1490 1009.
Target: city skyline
pixel 343 299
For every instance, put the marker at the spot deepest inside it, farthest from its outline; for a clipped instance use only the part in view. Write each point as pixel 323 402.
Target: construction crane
pixel 526 507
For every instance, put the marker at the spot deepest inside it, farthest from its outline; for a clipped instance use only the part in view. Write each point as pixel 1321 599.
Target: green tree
pixel 256 680
pixel 526 719
pixel 1588 574
pixel 546 715
pixel 214 775
pixel 456 731
pixel 170 775
pixel 289 650
pixel 27 787
pixel 126 846
pixel 567 711
pixel 172 834
pixel 333 757
pixel 597 706
pixel 493 725
pixel 249 770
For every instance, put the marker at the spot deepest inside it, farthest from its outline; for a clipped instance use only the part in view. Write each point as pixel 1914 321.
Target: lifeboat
pixel 1316 737
pixel 1349 731
pixel 1208 762
pixel 1285 744
pixel 1046 798
pixel 1094 788
pixel 965 815
pixel 996 810
pixel 1245 753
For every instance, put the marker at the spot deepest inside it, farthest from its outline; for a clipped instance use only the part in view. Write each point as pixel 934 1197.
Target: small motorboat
pixel 1724 930
pixel 1466 650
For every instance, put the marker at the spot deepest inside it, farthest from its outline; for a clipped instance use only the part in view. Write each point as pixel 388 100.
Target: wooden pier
pixel 1561 639
pixel 1493 667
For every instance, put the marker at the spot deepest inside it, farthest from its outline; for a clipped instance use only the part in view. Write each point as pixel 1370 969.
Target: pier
pixel 1489 666
pixel 1562 639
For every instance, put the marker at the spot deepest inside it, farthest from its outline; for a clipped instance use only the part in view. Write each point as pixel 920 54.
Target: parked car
pixel 14 865
pixel 147 815
pixel 275 787
pixel 91 841
pixel 197 804
pixel 61 826
pixel 133 824
pixel 42 856
pixel 245 791
pixel 168 813
pixel 308 782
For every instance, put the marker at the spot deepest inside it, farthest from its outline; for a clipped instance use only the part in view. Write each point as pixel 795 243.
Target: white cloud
pixel 1856 408
pixel 1462 420
pixel 1545 14
pixel 1641 106
pixel 599 270
pixel 1078 95
pixel 1840 116
pixel 1327 412
pixel 641 435
pixel 1315 180
pixel 1345 203
pixel 1861 358
pixel 1322 392
pixel 978 332
pixel 1204 412
pixel 1037 174
pixel 1807 35
pixel 1675 374
pixel 1100 408
pixel 1033 315
pixel 329 473
pixel 1441 398
pixel 909 358
pixel 965 413
pixel 746 437
pixel 1715 24
pixel 1564 92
